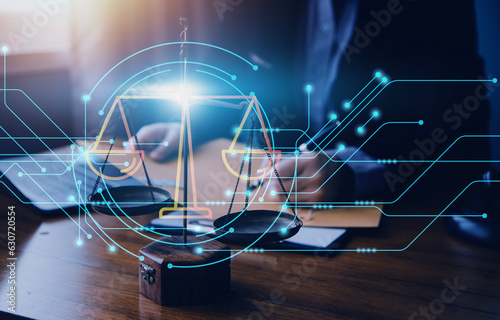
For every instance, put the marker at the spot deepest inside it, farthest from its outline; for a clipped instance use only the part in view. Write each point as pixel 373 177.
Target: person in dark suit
pixel 337 47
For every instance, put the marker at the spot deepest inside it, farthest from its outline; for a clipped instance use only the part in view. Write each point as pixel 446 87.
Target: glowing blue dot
pixel 233 77
pixel 79 182
pixel 124 143
pixel 112 248
pixel 296 152
pixel 283 230
pixel 5 49
pixel 485 216
pixel 375 113
pixel 71 198
pixel 199 250
pixel 252 93
pixel 273 192
pixel 165 144
pixel 101 112
pixel 341 147
pixel 228 193
pixel 111 141
pixel 309 87
pixel 44 170
pixel 374 250
pixel 99 190
pixel 261 199
pixel 170 266
pixel 141 258
pixel 86 97
pixel 284 206
pixel 256 67
pixel 20 174
pixel 347 105
pixel 72 146
pixel 79 242
pixel 384 79
pixel 231 229
pixel 377 74
pixel 333 116
pixel 360 129
pixel 494 80
pixel 421 122
pixel 126 164
pixel 89 236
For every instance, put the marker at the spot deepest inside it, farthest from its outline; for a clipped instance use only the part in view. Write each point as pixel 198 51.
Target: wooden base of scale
pixel 169 274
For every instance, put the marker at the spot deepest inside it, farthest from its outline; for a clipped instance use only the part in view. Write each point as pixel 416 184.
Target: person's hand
pixel 161 140
pixel 313 169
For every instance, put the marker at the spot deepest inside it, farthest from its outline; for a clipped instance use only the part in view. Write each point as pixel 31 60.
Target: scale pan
pixel 251 225
pixel 130 200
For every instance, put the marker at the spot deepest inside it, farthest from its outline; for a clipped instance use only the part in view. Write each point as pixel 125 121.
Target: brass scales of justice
pixel 187 269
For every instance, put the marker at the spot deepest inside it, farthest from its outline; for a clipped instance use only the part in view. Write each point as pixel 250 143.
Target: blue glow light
pixel 86 97
pixel 309 88
pixel 421 122
pixel 347 105
pixel 112 248
pixel 375 113
pixel 79 242
pixel 5 49
pixel 494 80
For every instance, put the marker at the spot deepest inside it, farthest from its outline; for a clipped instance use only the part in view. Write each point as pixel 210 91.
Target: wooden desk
pixel 56 279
